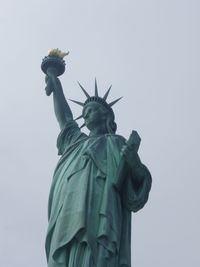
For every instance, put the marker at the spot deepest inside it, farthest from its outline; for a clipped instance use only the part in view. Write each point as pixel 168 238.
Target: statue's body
pixel 89 209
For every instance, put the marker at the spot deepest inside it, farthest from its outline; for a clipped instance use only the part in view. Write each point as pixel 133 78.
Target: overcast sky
pixel 149 51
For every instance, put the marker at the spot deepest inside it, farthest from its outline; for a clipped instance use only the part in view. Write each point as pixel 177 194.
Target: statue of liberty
pixel 97 182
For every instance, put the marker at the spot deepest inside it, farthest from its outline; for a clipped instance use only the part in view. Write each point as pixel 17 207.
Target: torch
pixel 55 62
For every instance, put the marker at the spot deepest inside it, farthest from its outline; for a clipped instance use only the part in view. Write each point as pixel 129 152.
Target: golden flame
pixel 57 52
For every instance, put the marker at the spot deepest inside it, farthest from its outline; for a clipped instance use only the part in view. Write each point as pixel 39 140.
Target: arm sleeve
pixel 135 195
pixel 69 134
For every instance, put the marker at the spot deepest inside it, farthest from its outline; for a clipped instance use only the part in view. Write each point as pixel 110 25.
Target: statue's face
pixel 94 115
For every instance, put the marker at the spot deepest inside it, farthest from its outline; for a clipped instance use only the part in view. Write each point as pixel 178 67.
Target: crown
pixel 96 98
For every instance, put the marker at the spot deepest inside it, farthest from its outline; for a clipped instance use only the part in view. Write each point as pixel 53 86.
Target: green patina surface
pixel 98 181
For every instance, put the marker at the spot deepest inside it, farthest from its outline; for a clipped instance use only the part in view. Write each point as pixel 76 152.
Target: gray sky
pixel 149 51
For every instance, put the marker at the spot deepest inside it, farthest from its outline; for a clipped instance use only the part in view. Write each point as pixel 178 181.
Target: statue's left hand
pixel 134 163
pixel 130 149
pixel 130 155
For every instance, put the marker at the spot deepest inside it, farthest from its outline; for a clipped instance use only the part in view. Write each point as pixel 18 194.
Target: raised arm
pixel 62 110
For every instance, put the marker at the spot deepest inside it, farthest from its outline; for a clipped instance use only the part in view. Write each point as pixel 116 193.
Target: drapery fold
pixel 84 205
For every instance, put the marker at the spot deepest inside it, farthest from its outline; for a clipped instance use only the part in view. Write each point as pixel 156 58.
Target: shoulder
pixel 69 135
pixel 115 136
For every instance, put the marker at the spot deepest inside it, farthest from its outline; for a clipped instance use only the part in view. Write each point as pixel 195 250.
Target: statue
pixel 97 182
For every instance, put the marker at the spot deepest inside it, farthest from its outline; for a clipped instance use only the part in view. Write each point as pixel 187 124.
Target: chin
pixel 89 125
pixel 90 128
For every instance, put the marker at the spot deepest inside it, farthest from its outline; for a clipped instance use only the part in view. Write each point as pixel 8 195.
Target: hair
pixel 110 121
pixel 111 125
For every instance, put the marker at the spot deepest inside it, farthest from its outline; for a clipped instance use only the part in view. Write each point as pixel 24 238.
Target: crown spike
pixel 77 102
pixel 79 117
pixel 84 91
pixel 114 102
pixel 82 125
pixel 96 89
pixel 107 93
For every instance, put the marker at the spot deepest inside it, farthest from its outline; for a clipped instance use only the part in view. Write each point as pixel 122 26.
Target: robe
pixel 89 218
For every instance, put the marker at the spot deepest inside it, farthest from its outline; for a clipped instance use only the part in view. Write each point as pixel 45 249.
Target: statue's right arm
pixel 62 110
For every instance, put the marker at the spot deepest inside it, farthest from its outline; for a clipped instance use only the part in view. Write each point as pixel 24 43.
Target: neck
pixel 98 131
